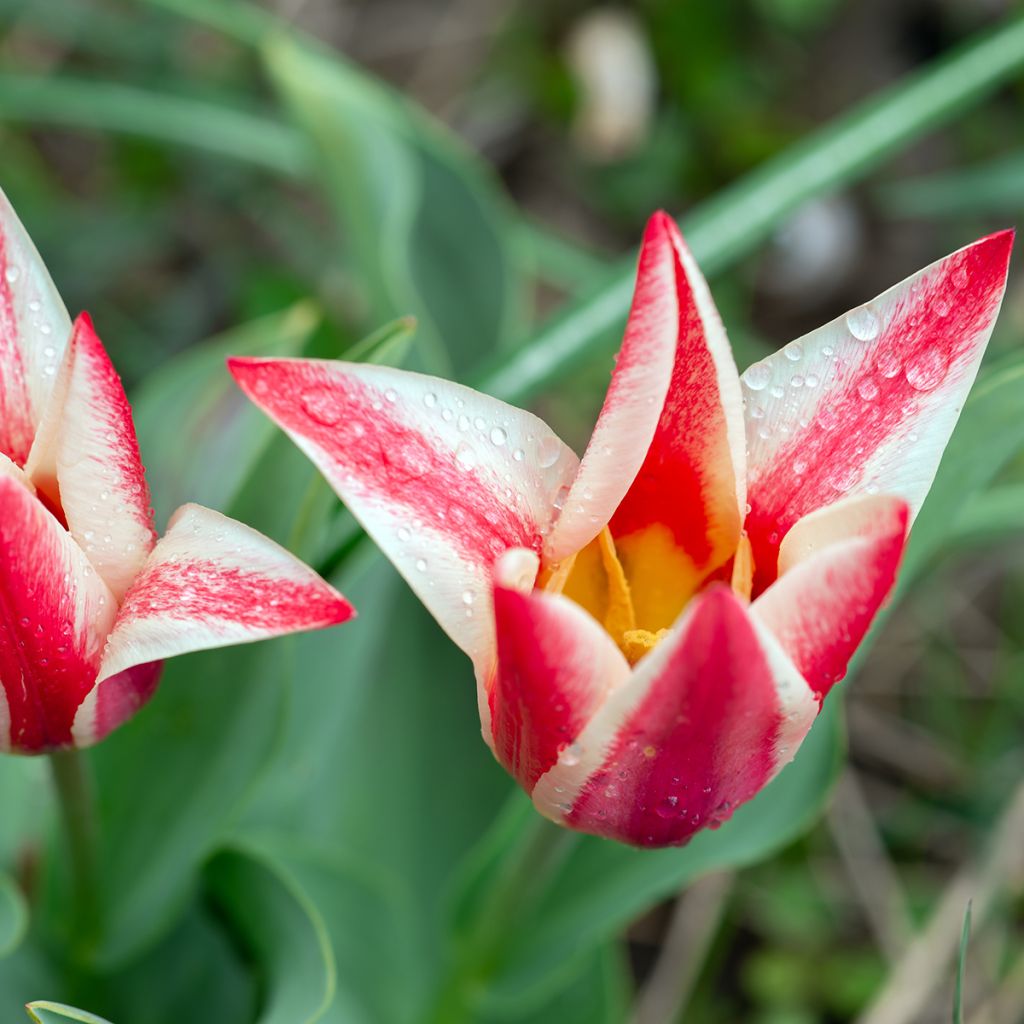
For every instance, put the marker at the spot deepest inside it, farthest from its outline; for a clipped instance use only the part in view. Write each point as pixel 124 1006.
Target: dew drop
pixel 867 389
pixel 430 400
pixel 942 307
pixel 404 534
pixel 468 597
pixel 498 436
pixel 12 273
pixel 391 394
pixel 794 351
pixel 862 324
pixel 548 450
pixel 465 456
pixel 421 565
pixel 667 808
pixel 570 755
pixel 758 376
pixel 926 370
pixel 889 363
pixel 519 455
pixel 321 405
pixel 960 277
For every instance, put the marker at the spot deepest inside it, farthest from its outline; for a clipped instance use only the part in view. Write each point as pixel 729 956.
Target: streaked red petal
pixel 55 613
pixel 837 567
pixel 555 666
pixel 87 452
pixel 707 720
pixel 34 329
pixel 635 398
pixel 691 486
pixel 866 403
pixel 443 478
pixel 212 582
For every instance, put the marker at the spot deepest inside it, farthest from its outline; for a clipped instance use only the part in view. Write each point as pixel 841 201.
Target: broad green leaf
pixel 383 757
pixel 424 222
pixel 172 778
pixel 989 518
pixel 43 1012
pixel 367 918
pixel 199 436
pixel 282 930
pixel 989 434
pixel 13 915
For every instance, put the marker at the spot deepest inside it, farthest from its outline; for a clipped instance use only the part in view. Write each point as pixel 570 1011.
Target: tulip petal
pixel 836 568
pixel 55 613
pixel 681 516
pixel 867 402
pixel 555 667
pixel 34 329
pixel 444 479
pixel 635 398
pixel 86 456
pixel 212 582
pixel 708 718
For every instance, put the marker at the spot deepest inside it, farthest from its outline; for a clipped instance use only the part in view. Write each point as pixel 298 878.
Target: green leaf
pixel 428 229
pixel 989 434
pixel 989 188
pixel 384 730
pixel 387 346
pixel 218 126
pixel 171 780
pixel 743 215
pixel 200 438
pixel 989 518
pixel 43 1012
pixel 367 915
pixel 281 929
pixel 13 915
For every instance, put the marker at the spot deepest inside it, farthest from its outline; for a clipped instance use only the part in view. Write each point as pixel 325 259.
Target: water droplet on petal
pixel 927 370
pixel 667 808
pixel 12 273
pixel 498 436
pixel 862 324
pixel 867 389
pixel 758 376
pixel 889 363
pixel 794 351
pixel 548 450
pixel 430 399
pixel 465 456
pixel 321 405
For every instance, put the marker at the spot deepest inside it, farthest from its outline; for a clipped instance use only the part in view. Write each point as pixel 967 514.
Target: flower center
pixel 637 589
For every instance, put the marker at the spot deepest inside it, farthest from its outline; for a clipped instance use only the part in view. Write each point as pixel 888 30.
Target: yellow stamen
pixel 743 568
pixel 635 643
pixel 637 586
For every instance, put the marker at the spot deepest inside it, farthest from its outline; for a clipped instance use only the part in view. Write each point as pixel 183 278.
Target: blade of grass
pixel 958 995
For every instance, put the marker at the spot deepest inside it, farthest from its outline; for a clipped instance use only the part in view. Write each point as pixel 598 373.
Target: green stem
pixel 519 884
pixel 75 794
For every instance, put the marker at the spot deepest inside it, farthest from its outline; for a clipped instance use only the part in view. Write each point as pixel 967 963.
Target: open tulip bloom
pixel 654 627
pixel 90 600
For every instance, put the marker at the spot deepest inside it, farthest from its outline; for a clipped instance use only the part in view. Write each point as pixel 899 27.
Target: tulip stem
pixel 519 883
pixel 76 796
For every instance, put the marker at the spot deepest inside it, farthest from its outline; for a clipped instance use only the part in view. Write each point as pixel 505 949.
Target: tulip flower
pixel 90 600
pixel 654 627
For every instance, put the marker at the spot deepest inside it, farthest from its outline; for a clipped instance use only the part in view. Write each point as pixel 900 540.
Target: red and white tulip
pixel 655 626
pixel 90 600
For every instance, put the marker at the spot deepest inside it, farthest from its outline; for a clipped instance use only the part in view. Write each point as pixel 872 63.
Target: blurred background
pixel 182 176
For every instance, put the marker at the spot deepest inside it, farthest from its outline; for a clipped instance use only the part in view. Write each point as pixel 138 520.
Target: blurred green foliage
pixel 312 828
